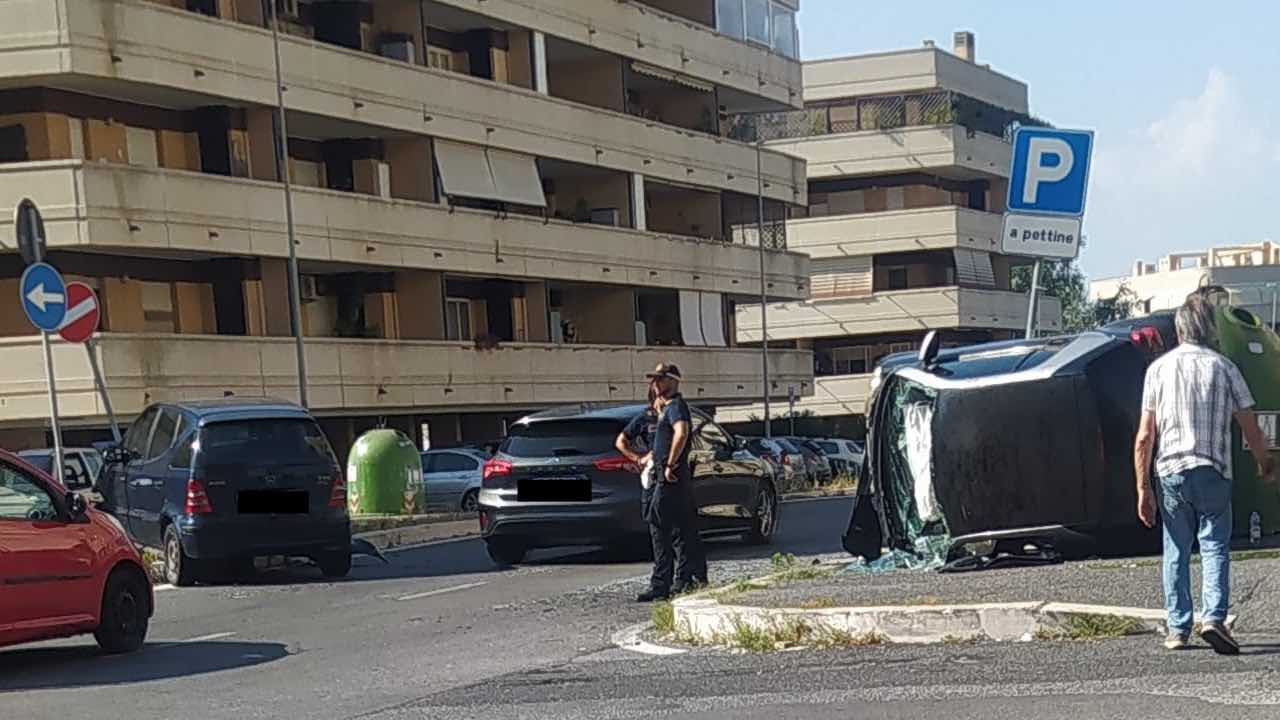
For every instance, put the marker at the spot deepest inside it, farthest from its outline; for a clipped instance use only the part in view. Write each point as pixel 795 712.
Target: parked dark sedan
pixel 216 483
pixel 1021 443
pixel 557 481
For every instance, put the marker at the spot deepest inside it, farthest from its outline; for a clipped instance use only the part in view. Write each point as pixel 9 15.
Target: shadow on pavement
pixel 84 666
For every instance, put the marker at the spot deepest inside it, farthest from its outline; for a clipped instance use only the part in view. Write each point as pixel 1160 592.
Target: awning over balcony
pixel 488 174
pixel 973 268
pixel 674 77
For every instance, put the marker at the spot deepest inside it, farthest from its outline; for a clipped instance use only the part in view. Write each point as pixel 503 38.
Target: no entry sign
pixel 82 313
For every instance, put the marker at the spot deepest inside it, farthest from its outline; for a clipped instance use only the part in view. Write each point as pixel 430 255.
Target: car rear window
pixel 829 448
pixel 786 445
pixel 561 438
pixel 40 461
pixel 275 441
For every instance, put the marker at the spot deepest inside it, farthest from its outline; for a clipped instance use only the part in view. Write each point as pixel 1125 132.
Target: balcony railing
pixel 887 112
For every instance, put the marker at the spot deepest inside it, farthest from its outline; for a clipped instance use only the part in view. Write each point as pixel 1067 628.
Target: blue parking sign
pixel 1050 172
pixel 44 296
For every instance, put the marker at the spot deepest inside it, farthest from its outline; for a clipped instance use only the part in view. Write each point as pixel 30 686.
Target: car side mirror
pixel 77 509
pixel 117 455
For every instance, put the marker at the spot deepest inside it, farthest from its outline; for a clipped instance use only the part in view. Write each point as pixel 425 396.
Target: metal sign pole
pixel 91 347
pixel 53 405
pixel 1031 304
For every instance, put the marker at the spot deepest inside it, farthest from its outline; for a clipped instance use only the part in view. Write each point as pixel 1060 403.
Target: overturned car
pixel 1022 448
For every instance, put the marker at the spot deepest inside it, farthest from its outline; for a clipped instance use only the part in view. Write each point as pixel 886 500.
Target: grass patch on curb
pixel 154 564
pixel 1091 627
pixel 793 633
pixel 664 618
pixel 788 570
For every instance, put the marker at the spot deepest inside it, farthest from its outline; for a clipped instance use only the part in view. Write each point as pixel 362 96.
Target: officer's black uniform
pixel 670 509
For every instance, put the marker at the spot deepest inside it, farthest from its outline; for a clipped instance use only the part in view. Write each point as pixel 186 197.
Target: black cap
pixel 664 370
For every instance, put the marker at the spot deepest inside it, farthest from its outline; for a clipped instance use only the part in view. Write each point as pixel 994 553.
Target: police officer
pixel 668 498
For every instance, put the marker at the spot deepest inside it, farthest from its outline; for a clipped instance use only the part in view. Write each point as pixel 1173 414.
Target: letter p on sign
pixel 1050 171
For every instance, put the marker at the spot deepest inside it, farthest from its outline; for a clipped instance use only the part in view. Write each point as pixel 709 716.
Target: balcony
pixel 833 395
pixel 370 375
pixel 898 311
pixel 897 231
pixel 146 52
pixel 946 150
pixel 139 210
pixel 644 31
pixel 926 69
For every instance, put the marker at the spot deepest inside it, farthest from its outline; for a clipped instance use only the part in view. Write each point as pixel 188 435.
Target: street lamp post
pixel 282 167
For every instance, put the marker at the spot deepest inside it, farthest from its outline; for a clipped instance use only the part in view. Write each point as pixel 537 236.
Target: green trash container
pixel 384 475
pixel 1255 349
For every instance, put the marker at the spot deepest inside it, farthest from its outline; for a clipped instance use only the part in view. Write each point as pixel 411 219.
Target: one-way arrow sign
pixel 44 296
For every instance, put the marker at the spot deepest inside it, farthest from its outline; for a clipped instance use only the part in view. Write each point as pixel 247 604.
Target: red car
pixel 65 569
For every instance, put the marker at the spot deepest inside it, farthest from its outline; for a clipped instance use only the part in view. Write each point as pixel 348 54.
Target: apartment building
pixel 1250 272
pixel 908 159
pixel 500 205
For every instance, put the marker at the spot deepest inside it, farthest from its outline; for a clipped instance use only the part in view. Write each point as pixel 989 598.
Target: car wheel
pixel 471 501
pixel 765 524
pixel 125 612
pixel 505 552
pixel 335 565
pixel 179 568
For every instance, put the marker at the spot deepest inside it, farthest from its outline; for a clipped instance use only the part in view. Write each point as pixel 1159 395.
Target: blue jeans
pixel 1196 503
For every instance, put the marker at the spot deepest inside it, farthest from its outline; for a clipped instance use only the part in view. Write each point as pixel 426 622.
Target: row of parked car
pixel 799 461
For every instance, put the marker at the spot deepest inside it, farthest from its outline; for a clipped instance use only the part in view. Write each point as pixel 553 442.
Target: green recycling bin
pixel 1255 349
pixel 384 475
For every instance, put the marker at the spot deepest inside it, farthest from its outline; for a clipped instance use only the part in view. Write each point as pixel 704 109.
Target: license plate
pixel 554 490
pixel 273 502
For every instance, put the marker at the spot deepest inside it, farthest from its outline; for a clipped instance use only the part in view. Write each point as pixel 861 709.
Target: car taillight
pixel 616 463
pixel 197 500
pixel 495 468
pixel 1147 338
pixel 338 492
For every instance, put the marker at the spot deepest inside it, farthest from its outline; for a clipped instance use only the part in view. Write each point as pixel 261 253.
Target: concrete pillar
pixel 540 63
pixel 637 201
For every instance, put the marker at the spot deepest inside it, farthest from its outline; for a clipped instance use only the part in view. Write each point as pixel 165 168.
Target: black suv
pixel 216 483
pixel 557 481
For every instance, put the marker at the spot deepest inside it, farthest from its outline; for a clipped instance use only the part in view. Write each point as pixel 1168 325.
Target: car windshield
pixel 828 447
pixel 561 438
pixel 39 460
pixel 275 441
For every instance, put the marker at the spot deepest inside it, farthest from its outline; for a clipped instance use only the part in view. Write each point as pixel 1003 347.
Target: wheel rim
pixel 470 502
pixel 127 613
pixel 172 563
pixel 768 511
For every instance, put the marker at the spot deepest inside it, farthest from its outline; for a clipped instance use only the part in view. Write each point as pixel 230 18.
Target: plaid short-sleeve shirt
pixel 1193 392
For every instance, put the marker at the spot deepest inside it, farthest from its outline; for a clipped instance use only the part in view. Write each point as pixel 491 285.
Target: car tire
pixel 505 552
pixel 335 564
pixel 122 627
pixel 471 501
pixel 764 526
pixel 180 569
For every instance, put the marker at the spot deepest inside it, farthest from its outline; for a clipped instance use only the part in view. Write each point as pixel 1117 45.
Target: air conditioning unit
pixel 397 46
pixel 307 289
pixel 606 216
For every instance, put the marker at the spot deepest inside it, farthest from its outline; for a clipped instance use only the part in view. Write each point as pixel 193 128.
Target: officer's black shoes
pixel 689 587
pixel 652 595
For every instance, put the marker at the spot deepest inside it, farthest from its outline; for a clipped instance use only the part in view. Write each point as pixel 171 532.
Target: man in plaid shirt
pixel 1188 400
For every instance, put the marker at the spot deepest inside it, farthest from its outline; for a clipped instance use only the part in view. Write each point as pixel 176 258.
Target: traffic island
pixel 830 606
pixel 386 532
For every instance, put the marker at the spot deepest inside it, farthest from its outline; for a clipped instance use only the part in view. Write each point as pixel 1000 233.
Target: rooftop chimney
pixel 965 45
pixel 928 43
pixel 1139 268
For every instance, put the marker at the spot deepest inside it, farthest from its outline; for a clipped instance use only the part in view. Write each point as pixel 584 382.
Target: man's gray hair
pixel 1197 323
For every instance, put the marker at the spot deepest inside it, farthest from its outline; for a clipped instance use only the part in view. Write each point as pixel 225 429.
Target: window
pixel 182 456
pixel 898 278
pixel 900 348
pixel 453 462
pixel 162 438
pixel 271 442
pixel 561 438
pixel 140 432
pixel 849 360
pixel 756 15
pixel 439 59
pixel 457 319
pixel 829 448
pixel 23 498
pixel 784 32
pixel 729 19
pixel 75 474
pixel 715 436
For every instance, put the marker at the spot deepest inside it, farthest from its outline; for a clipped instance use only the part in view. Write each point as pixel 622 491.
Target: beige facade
pixel 498 206
pixel 908 170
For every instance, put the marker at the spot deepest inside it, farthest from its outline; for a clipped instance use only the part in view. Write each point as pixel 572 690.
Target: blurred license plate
pixel 273 502
pixel 554 490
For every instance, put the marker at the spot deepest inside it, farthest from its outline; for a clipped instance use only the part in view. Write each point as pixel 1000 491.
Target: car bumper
pixel 207 538
pixel 544 525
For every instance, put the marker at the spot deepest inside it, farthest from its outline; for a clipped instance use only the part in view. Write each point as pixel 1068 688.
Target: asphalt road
pixel 440 632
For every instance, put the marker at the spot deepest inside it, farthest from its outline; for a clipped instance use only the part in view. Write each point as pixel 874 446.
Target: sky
pixel 1183 97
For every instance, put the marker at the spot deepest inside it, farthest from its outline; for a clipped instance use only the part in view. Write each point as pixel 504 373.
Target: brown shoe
pixel 1219 638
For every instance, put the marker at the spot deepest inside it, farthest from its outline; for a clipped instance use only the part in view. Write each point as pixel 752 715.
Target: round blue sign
pixel 44 296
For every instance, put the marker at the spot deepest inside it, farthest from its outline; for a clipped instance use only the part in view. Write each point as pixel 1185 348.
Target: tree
pixel 1065 281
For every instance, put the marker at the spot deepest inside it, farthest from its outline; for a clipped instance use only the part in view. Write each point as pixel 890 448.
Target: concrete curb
pixel 704 618
pixel 419 534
